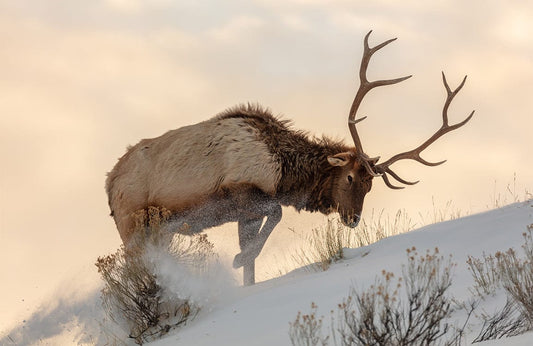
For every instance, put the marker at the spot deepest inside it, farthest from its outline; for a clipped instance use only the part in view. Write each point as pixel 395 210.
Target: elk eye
pixel 350 179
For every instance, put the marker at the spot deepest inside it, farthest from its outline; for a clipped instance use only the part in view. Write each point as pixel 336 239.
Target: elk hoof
pixel 245 257
pixel 238 261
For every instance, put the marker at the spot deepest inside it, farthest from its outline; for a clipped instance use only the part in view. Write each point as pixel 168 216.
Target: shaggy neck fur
pixel 306 176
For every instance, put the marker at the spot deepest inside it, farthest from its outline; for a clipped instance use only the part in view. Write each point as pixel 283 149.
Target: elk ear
pixel 340 159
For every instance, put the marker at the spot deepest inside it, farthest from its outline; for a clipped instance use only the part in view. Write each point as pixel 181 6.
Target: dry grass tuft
pixel 327 243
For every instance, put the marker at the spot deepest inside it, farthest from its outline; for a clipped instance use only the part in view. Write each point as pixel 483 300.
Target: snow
pixel 260 314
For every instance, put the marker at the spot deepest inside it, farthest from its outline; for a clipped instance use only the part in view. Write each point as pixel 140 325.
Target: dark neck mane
pixel 306 174
pixel 306 181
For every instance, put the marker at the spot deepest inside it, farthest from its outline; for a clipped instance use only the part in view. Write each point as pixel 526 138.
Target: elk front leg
pixel 251 241
pixel 248 230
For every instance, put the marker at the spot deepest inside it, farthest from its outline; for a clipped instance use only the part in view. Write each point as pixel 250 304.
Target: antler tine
pixel 398 178
pixel 449 99
pixel 388 183
pixel 414 154
pixel 364 87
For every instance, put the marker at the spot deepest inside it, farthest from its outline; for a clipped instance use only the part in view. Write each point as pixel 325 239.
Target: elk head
pixel 355 169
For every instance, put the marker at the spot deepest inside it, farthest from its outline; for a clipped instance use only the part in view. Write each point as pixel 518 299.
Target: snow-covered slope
pixel 260 315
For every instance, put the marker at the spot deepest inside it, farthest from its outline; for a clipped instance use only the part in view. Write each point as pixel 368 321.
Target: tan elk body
pixel 244 164
pixel 182 168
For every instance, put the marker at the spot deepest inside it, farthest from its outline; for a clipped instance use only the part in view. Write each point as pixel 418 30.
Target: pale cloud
pixel 515 27
pixel 126 5
pixel 296 22
pixel 237 29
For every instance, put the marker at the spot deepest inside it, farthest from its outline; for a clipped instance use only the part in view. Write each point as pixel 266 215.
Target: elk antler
pixel 414 154
pixel 364 87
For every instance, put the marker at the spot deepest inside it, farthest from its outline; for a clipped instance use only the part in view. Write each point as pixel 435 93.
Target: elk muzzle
pixel 350 221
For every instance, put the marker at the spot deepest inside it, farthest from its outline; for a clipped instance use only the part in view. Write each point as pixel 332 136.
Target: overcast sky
pixel 81 80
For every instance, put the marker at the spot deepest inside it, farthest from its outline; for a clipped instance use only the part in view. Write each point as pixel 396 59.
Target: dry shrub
pixel 517 274
pixel 506 322
pixel 132 295
pixel 487 277
pixel 410 310
pixel 513 274
pixel 381 315
pixel 306 330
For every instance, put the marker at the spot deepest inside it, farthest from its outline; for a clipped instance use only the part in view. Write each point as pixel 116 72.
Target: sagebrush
pixel 513 274
pixel 410 310
pixel 132 295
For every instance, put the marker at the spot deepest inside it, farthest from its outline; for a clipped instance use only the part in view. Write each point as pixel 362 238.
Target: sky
pixel 82 80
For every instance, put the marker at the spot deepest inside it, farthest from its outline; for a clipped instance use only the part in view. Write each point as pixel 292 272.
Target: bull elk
pixel 244 164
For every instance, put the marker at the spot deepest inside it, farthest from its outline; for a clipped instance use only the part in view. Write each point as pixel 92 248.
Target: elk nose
pixel 351 222
pixel 355 222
